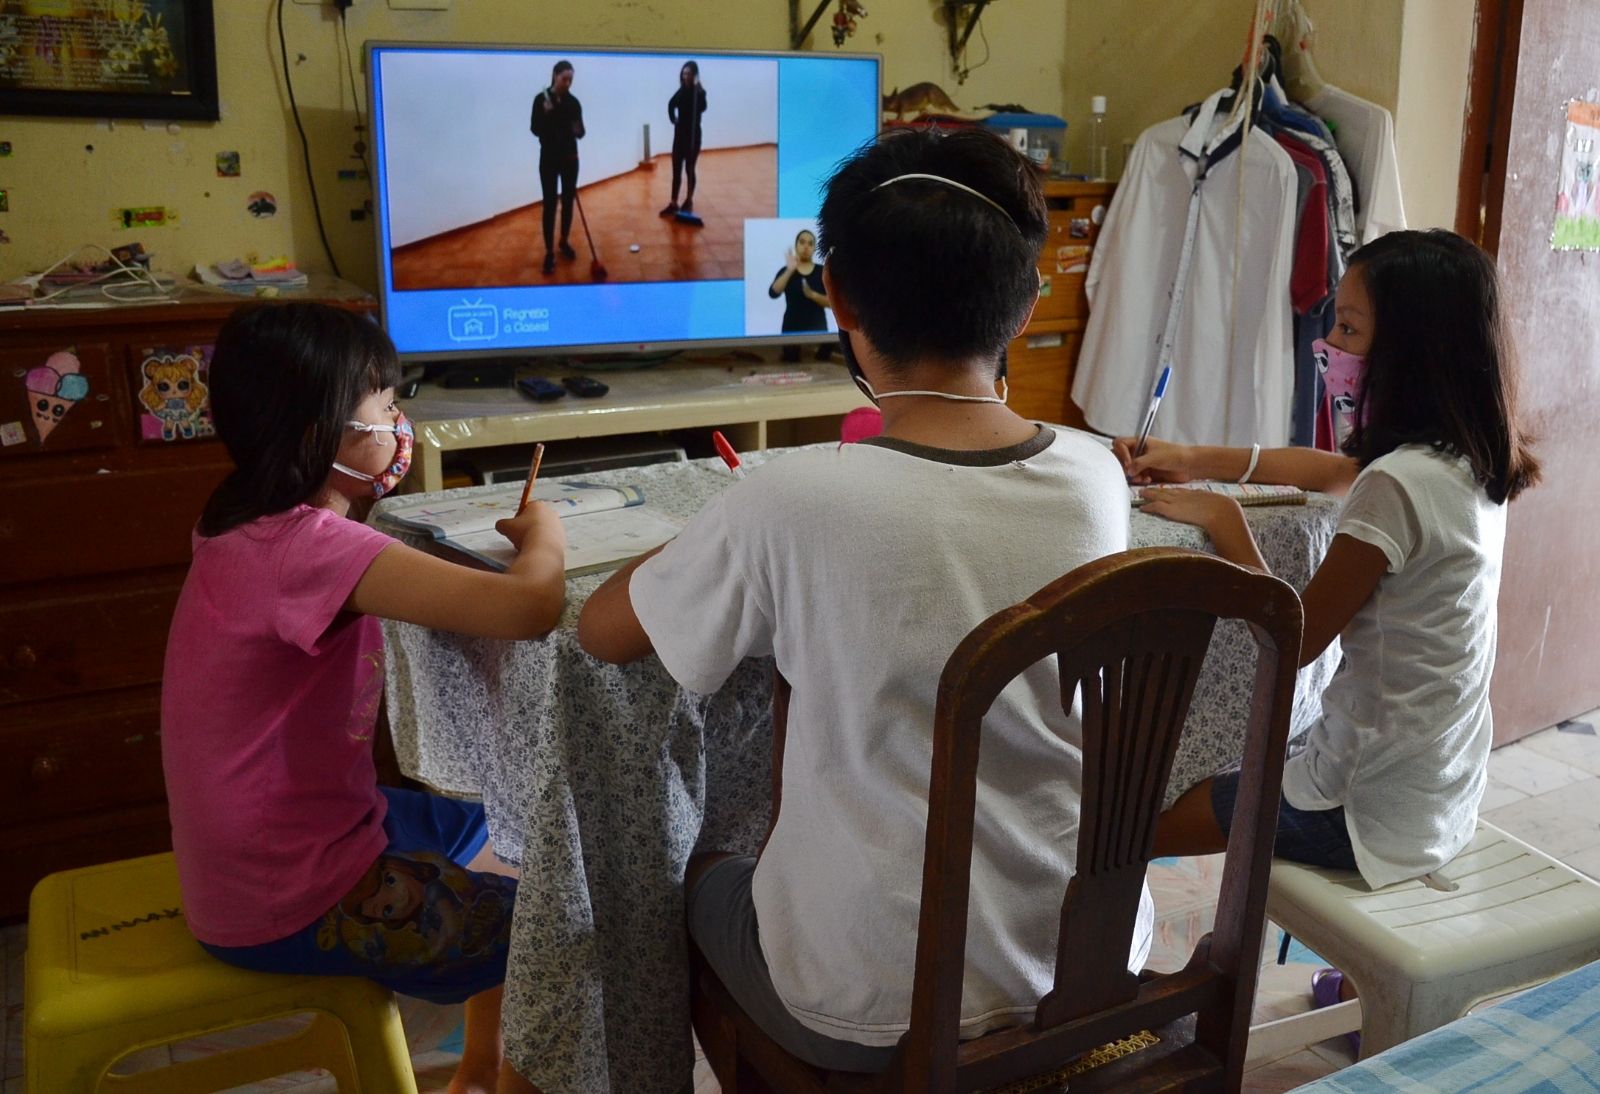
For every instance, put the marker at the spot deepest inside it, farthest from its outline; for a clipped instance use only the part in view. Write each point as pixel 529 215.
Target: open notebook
pixel 1245 493
pixel 605 525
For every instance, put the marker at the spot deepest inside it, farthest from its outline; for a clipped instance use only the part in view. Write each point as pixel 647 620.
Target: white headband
pixel 950 182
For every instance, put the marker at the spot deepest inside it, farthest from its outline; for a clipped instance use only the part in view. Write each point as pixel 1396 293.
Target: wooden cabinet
pixel 1042 361
pixel 107 455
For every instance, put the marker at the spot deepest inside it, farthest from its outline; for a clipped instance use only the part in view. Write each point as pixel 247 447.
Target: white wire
pixel 136 275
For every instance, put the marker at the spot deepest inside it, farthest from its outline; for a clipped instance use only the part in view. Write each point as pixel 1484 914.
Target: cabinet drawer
pixel 81 755
pixel 1064 264
pixel 81 524
pixel 66 640
pixel 1039 370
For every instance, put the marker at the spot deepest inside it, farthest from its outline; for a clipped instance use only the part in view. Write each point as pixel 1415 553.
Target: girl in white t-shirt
pixel 1389 778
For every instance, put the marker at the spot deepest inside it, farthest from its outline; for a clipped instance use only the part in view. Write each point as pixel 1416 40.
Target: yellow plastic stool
pixel 111 969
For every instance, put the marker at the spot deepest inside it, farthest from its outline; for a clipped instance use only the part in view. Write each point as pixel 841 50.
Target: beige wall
pixel 1149 57
pixel 1435 63
pixel 1152 57
pixel 62 195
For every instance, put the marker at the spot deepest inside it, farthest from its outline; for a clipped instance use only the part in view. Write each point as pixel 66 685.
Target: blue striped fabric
pixel 1546 1041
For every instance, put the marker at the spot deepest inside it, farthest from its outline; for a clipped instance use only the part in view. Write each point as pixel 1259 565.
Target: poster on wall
pixel 1577 224
pixel 108 59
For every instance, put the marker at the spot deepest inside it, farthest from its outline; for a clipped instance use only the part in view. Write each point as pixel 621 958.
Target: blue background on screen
pixel 827 107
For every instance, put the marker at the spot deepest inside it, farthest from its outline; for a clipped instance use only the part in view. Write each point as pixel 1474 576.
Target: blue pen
pixel 1150 414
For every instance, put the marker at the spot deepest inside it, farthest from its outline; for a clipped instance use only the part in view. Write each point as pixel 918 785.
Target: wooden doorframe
pixel 1486 136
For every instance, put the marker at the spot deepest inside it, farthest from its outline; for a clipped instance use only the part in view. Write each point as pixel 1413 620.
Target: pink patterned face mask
pixel 1343 375
pixel 403 440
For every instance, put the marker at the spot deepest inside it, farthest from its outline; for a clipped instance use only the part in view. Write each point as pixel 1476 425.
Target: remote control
pixel 584 387
pixel 539 389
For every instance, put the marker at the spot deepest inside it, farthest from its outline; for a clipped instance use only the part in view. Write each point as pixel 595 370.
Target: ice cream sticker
pixel 54 388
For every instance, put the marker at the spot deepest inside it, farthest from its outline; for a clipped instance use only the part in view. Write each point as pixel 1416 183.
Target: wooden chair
pixel 1131 631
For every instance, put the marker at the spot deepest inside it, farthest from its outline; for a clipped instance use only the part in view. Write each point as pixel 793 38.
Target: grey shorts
pixel 722 922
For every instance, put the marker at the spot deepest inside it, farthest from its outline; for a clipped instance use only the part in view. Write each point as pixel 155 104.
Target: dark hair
pixel 931 271
pixel 1441 371
pixel 692 66
pixel 805 232
pixel 560 67
pixel 285 378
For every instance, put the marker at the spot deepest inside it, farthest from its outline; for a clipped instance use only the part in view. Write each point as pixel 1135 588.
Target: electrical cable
pixel 305 144
pixel 134 274
pixel 355 98
pixel 970 69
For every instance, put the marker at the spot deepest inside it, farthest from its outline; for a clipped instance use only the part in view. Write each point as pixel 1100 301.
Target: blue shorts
pixel 1316 837
pixel 416 922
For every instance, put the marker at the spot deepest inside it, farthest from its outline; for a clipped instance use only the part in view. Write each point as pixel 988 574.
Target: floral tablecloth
pixel 599 781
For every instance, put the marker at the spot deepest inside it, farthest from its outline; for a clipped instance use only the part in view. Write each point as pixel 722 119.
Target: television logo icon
pixel 474 322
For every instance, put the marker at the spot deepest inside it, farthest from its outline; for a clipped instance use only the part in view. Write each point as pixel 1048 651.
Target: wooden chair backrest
pixel 1131 632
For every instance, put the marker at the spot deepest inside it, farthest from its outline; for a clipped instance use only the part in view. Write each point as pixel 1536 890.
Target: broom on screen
pixel 597 269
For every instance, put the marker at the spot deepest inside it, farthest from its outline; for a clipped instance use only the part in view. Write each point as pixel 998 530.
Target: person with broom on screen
pixel 558 123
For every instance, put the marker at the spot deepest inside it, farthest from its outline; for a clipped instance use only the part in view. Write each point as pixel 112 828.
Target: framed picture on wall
pixel 109 59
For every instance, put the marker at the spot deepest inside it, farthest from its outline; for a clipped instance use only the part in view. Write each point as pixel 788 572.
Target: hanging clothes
pixel 1163 287
pixel 1313 131
pixel 1365 136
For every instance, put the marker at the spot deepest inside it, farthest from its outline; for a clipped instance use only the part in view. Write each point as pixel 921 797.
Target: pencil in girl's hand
pixel 533 473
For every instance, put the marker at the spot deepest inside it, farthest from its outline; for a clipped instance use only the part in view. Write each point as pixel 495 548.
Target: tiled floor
pixel 1544 789
pixel 734 183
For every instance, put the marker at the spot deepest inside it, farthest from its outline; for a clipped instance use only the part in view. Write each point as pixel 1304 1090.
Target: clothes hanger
pixel 1293 27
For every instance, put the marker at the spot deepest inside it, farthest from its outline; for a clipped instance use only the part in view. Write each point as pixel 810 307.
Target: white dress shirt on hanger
pixel 1365 135
pixel 1232 357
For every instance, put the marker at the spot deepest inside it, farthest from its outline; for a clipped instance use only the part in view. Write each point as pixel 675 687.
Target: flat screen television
pixel 469 141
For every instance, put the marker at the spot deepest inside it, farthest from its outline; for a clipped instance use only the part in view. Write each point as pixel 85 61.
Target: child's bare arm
pixel 608 627
pixel 1346 580
pixel 1307 468
pixel 524 602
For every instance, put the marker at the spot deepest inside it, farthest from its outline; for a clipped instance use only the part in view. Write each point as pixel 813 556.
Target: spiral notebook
pixel 1245 493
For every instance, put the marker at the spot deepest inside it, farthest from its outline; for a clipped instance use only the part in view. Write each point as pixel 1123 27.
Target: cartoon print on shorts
pixel 175 397
pixel 54 388
pixel 419 908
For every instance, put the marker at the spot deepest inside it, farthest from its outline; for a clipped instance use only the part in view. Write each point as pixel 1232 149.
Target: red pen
pixel 725 450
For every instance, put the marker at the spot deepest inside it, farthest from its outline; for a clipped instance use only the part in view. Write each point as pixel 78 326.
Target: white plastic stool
pixel 1421 956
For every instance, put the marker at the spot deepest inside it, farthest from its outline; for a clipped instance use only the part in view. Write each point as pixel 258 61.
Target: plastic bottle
pixel 1098 151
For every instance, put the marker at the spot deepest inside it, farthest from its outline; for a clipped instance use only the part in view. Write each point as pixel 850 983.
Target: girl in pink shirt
pixel 291 857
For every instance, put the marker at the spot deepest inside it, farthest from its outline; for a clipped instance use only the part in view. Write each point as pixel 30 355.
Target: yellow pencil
pixel 533 473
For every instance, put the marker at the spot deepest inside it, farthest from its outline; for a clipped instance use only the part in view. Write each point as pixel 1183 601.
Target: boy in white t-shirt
pixel 860 570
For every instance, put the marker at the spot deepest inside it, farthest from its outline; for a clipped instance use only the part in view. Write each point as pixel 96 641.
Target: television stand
pixel 753 402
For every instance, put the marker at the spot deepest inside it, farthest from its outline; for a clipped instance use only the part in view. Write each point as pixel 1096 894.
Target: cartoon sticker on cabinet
pixel 174 399
pixel 54 388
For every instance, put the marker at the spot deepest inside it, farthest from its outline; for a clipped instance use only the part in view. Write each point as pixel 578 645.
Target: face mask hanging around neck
pixel 853 367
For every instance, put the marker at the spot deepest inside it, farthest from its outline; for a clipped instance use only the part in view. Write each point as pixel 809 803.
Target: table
pixel 599 781
pixel 1546 1039
pixel 677 395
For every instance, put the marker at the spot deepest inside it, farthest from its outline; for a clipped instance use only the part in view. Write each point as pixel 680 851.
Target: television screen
pixel 533 199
